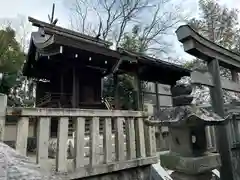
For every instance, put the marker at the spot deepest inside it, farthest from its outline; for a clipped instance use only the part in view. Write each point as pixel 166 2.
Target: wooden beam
pixel 204 78
pixel 61 86
pixel 77 91
pixel 140 95
pixel 157 97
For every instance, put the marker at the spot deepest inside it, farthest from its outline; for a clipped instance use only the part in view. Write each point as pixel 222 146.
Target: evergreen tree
pixel 11 60
pixel 131 42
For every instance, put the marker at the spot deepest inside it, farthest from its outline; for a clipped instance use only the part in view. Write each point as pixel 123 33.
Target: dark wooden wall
pixel 86 90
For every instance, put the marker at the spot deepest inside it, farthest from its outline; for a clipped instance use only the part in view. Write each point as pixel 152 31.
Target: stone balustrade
pixel 128 146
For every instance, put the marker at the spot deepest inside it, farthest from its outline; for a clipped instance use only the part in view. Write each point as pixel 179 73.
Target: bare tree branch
pixel 130 10
pixel 116 17
pixel 160 25
pixel 81 12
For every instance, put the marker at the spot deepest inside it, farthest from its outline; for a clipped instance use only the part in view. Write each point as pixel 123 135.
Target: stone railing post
pixel 3 107
pixel 188 155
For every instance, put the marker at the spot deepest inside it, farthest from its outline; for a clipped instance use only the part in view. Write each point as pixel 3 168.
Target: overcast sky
pixel 39 9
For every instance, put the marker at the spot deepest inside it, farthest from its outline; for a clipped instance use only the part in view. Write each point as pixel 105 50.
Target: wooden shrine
pixel 69 68
pixel 72 65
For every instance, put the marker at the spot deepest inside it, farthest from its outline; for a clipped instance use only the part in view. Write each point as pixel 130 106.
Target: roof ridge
pixel 43 24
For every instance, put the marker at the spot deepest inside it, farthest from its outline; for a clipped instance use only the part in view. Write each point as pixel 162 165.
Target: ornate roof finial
pixel 51 18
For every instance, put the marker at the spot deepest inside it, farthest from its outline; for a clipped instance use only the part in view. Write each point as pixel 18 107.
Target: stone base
pixel 181 176
pixel 191 165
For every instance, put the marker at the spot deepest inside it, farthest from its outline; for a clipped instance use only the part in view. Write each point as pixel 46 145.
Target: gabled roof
pixel 50 38
pixel 50 35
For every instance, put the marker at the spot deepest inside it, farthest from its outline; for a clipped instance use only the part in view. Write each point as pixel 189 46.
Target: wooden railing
pixel 134 147
pixel 55 98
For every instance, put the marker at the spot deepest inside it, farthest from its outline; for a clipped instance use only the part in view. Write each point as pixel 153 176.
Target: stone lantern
pixel 188 155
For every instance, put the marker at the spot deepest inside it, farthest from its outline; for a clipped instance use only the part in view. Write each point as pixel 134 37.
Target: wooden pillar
pixel 140 95
pixel 218 107
pixel 74 98
pixel 77 88
pixel 62 88
pixel 137 89
pixel 157 97
pixel 158 134
pixel 102 86
pixel 62 84
pixel 116 91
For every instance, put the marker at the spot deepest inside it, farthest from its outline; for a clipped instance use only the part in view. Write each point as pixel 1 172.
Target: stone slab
pixel 191 165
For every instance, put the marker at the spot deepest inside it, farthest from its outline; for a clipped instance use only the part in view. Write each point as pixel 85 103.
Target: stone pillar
pixel 188 156
pixel 3 107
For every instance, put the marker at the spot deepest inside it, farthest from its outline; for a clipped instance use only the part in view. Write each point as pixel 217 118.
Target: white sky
pixel 39 9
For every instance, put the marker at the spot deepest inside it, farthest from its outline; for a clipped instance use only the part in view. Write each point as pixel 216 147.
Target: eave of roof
pixel 150 60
